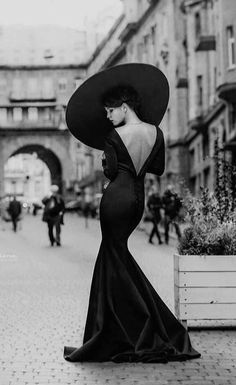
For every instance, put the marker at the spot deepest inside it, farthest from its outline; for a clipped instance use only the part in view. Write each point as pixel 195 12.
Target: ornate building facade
pixel 152 32
pixel 32 119
pixel 193 43
pixel 211 71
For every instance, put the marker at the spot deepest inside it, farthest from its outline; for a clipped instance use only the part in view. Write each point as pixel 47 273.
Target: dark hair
pixel 117 95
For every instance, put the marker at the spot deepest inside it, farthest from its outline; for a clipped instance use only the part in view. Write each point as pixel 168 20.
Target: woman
pixel 127 321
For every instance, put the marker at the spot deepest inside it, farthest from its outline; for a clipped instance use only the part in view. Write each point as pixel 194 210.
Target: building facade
pixel 152 32
pixel 193 43
pixel 210 39
pixel 32 118
pixel 44 45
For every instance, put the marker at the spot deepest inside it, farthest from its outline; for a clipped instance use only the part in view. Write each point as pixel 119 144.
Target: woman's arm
pixel 109 161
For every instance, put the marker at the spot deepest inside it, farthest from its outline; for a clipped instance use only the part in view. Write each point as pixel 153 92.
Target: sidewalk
pixel 44 295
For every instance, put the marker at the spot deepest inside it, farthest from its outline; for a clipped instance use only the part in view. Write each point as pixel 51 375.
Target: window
pixel 17 88
pixel 48 91
pixel 145 47
pixel 231 46
pixel 140 51
pixel 62 84
pixel 153 35
pixel 215 78
pixel 193 185
pixel 131 50
pixel 199 182
pixel 199 91
pixel 17 114
pixel 199 152
pixel 3 115
pixel 206 176
pixel 232 117
pixel 192 159
pixel 47 114
pixel 146 42
pixel 197 25
pixel 32 87
pixel 33 114
pixel 205 148
pixel 3 86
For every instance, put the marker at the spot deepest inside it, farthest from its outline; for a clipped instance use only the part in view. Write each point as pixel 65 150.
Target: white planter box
pixel 205 287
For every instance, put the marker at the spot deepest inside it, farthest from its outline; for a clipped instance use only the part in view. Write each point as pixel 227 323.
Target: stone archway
pixel 54 150
pixel 48 157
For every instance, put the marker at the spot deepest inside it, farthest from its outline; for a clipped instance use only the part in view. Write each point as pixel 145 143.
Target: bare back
pixel 139 140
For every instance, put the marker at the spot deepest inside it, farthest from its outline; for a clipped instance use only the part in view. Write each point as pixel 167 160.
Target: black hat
pixel 85 114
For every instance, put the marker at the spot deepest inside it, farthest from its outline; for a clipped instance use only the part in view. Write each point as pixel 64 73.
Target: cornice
pixel 43 67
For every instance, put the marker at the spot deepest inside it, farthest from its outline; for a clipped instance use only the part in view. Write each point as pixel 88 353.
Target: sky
pixel 69 13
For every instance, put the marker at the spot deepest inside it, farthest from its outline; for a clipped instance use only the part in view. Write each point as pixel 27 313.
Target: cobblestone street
pixel 43 299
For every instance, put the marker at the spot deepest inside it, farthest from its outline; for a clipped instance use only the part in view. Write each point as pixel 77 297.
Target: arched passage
pixel 54 150
pixel 47 156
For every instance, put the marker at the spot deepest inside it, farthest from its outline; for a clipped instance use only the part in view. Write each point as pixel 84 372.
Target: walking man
pixel 54 207
pixel 171 204
pixel 154 205
pixel 14 211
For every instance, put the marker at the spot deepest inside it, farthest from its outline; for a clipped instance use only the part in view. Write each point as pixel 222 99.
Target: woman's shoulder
pixel 135 128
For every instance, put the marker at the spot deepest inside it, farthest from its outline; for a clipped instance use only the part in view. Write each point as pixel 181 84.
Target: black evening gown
pixel 127 321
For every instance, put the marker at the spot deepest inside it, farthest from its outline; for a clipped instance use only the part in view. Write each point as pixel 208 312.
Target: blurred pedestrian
pixel 3 210
pixel 54 207
pixel 154 204
pixel 86 206
pixel 14 210
pixel 36 207
pixel 171 204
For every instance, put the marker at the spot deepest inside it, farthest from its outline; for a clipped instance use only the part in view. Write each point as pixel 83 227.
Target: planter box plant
pixel 205 266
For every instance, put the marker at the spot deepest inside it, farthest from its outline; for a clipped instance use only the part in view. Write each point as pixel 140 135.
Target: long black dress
pixel 127 321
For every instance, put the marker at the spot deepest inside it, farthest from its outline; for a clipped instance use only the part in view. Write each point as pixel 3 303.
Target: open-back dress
pixel 127 321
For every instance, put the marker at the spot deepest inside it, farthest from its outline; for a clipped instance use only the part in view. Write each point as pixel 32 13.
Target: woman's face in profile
pixel 116 115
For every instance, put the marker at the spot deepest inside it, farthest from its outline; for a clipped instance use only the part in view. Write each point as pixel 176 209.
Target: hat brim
pixel 86 116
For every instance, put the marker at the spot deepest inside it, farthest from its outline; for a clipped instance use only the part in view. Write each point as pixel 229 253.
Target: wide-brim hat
pixel 86 116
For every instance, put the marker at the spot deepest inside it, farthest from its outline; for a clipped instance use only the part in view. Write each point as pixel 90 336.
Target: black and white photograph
pixel 118 192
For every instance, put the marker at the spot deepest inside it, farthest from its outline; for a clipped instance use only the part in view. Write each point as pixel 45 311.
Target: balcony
pixel 206 43
pixel 29 125
pixel 24 96
pixel 227 92
pixel 197 123
pixel 200 122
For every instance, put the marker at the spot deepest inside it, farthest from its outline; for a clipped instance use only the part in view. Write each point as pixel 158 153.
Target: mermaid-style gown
pixel 127 321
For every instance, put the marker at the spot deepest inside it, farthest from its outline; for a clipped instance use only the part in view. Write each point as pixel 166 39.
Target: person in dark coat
pixel 171 204
pixel 54 207
pixel 14 211
pixel 154 205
